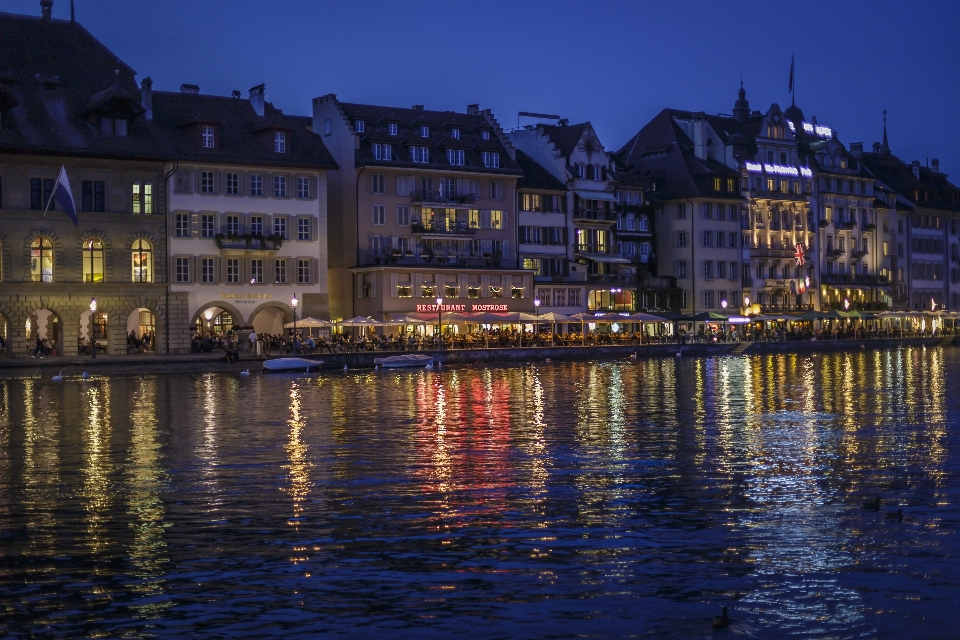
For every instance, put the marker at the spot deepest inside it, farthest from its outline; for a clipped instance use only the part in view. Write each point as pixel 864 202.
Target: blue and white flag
pixel 63 195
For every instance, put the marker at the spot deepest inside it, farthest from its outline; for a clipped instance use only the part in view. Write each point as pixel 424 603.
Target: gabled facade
pixel 248 209
pixel 423 206
pixel 65 100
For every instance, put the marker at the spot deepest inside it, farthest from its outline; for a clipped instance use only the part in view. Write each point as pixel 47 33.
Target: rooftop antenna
pixel 72 18
pixel 793 91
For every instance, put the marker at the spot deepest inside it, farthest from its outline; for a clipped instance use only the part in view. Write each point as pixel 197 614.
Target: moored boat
pixel 291 364
pixel 406 360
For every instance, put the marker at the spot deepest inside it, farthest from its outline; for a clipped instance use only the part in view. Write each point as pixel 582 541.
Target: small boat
pixel 291 364
pixel 407 360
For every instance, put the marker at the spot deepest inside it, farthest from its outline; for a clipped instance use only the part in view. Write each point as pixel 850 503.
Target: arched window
pixel 93 260
pixel 41 260
pixel 142 261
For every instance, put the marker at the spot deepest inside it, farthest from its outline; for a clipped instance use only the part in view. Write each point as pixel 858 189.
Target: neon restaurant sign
pixel 814 129
pixel 779 169
pixel 461 307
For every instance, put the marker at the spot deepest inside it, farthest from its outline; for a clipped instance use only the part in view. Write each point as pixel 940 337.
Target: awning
pixel 588 194
pixel 602 257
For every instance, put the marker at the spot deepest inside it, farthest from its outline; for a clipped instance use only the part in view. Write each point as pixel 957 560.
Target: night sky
pixel 614 63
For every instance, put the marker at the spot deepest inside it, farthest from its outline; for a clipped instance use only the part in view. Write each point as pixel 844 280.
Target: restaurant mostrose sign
pixel 461 307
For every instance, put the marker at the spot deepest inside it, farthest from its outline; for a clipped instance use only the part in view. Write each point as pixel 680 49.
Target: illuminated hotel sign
pixel 779 169
pixel 814 129
pixel 461 307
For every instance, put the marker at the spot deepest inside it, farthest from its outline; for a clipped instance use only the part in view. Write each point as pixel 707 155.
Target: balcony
pixel 248 241
pixel 832 254
pixel 444 230
pixel 594 215
pixel 856 255
pixel 772 253
pixel 657 282
pixel 867 279
pixel 439 198
pixel 824 223
pixel 870 227
pixel 846 225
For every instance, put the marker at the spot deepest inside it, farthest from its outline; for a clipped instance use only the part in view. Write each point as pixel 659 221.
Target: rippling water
pixel 550 500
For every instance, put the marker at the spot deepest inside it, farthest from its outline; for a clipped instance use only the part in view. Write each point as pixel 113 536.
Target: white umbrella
pixel 308 323
pixel 360 321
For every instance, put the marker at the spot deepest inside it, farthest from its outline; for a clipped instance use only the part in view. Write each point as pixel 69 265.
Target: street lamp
pixel 723 303
pixel 293 303
pixel 440 320
pixel 846 304
pixel 536 305
pixel 93 328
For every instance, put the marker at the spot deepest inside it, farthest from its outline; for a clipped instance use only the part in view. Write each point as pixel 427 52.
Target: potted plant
pixel 218 239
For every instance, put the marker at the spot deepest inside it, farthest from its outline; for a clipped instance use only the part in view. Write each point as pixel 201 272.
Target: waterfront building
pixel 930 237
pixel 66 100
pixel 595 265
pixel 247 196
pixel 422 207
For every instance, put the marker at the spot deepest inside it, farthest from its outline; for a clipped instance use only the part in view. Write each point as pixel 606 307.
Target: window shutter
pixel 373 285
pixel 394 282
pixel 484 218
pixel 417 283
pixel 484 285
pixel 504 219
pixel 506 249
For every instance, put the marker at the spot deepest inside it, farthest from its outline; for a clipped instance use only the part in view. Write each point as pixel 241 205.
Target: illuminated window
pixel 496 220
pixel 41 260
pixel 142 260
pixel 93 260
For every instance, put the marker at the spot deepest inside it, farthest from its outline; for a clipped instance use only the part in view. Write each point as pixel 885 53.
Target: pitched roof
pixel 56 80
pixel 930 190
pixel 535 176
pixel 238 129
pixel 564 137
pixel 441 126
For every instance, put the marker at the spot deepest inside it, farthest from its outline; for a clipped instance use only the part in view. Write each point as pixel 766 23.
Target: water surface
pixel 579 499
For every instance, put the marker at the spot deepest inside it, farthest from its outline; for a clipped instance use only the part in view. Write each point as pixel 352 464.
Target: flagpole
pixel 53 191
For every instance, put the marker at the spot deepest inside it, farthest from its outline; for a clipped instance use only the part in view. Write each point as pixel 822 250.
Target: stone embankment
pixel 175 363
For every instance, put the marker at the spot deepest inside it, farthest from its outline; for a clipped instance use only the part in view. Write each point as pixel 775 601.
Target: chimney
pixel 877 147
pixel 935 165
pixel 916 169
pixel 146 97
pixel 189 88
pixel 417 107
pixel 856 148
pixel 473 109
pixel 46 7
pixel 257 98
pixel 235 93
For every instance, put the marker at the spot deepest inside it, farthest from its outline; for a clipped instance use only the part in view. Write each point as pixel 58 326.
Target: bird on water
pixel 721 620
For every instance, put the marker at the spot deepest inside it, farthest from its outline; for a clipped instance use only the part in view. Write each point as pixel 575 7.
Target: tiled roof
pixel 535 176
pixel 441 126
pixel 930 190
pixel 56 80
pixel 564 137
pixel 238 126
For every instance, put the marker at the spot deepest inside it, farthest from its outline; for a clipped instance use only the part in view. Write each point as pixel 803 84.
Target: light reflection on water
pixel 596 499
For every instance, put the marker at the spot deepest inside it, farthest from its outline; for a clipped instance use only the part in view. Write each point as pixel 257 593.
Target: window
pixel 280 227
pixel 497 220
pixel 279 186
pixel 770 184
pixel 721 237
pixel 206 137
pixel 491 159
pixel 233 184
pixel 256 271
pixel 41 260
pixel 303 228
pixel 256 225
pixel 721 269
pixel 681 239
pixel 392 129
pixel 142 198
pixel 280 271
pixel 382 151
pixel 326 127
pixel 485 135
pixel 206 270
pixel 419 154
pixel 734 268
pixel 531 202
pixel 181 225
pixel 681 211
pixel 182 269
pixel 473 219
pixel 379 215
pixel 206 182
pixel 706 238
pixel 92 196
pixel 120 127
pixel 682 269
pixel 405 185
pixel 455 133
pixel 705 211
pixel 106 126
pixel 256 185
pixel 36 194
pixel 708 299
pixel 403 216
pixel 377 184
pixel 233 225
pixel 708 269
pixel 360 126
pixel 206 225
pixel 233 270
pixel 303 271
pixel 496 190
pixel 455 156
pixel 424 131
pixel 716 184
pixel 303 187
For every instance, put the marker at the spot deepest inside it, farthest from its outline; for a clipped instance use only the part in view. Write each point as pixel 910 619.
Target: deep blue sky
pixel 613 63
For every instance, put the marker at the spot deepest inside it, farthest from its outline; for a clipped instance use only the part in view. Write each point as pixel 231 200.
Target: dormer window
pixel 207 140
pixel 392 129
pixel 360 126
pixel 485 135
pixel 455 133
pixel 455 156
pixel 120 127
pixel 491 159
pixel 424 131
pixel 279 142
pixel 106 126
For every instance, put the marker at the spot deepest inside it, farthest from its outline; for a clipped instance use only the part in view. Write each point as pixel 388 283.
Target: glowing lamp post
pixel 846 304
pixel 93 328
pixel 440 320
pixel 293 303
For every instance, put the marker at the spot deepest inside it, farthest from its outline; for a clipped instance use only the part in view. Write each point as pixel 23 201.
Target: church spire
pixel 741 110
pixel 886 146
